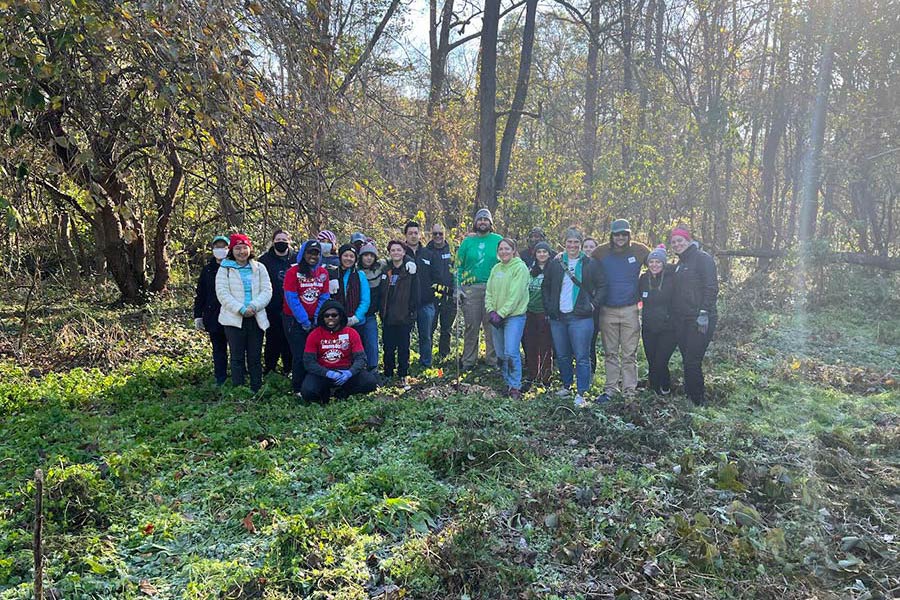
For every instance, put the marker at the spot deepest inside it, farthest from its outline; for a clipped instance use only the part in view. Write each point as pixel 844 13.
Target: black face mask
pixel 281 247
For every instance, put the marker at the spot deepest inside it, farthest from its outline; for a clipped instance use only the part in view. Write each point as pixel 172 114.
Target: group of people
pixel 317 308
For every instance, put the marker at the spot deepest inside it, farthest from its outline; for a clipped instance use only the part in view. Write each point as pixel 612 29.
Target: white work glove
pixel 352 321
pixel 411 268
pixel 333 286
pixel 198 324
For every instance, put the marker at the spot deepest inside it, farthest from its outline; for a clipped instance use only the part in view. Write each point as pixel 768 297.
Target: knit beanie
pixel 658 253
pixel 543 246
pixel 345 248
pixel 484 213
pixel 369 248
pixel 239 238
pixel 573 234
pixel 683 232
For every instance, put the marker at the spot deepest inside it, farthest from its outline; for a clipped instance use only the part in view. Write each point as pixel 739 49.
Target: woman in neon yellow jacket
pixel 505 301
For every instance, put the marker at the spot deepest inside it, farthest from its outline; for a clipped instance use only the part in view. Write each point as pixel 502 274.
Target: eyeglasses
pixel 331 315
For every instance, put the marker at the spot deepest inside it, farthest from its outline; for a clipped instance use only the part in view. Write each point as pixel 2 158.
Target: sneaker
pixel 563 393
pixel 580 401
pixel 515 394
pixel 602 398
pixel 664 391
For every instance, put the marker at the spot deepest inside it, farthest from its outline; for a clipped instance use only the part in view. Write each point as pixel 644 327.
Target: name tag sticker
pixel 645 294
pixel 632 259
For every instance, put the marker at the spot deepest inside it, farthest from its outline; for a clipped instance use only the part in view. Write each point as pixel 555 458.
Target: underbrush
pixel 160 484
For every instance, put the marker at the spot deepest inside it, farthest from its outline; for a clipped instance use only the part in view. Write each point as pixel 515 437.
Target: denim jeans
pixel 368 331
pixel 245 345
pixel 425 328
pixel 445 313
pixel 572 340
pixel 507 341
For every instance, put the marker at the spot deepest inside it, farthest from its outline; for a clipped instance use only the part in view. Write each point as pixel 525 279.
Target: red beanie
pixel 238 238
pixel 683 232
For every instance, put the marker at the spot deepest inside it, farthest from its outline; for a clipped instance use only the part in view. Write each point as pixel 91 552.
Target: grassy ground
pixel 158 484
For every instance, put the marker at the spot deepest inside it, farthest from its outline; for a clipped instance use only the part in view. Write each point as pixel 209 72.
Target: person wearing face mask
pixel 537 339
pixel 506 300
pixel 657 327
pixel 398 311
pixel 573 285
pixel 207 307
pixel 694 294
pixel 329 244
pixel 334 358
pixel 476 256
pixel 305 291
pixel 244 289
pixel 277 260
pixel 620 324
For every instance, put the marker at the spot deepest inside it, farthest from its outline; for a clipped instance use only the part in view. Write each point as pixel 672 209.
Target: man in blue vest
pixel 620 325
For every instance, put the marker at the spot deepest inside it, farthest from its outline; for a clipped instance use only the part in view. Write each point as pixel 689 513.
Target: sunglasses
pixel 331 315
pixel 437 234
pixel 621 234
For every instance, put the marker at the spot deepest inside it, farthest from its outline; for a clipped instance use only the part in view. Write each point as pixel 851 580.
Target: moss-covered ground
pixel 158 484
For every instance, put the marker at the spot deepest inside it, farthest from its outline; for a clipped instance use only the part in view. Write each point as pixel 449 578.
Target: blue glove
pixel 307 327
pixel 333 375
pixel 703 322
pixel 343 377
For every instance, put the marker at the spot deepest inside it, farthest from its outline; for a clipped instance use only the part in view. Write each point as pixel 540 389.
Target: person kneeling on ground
pixel 334 358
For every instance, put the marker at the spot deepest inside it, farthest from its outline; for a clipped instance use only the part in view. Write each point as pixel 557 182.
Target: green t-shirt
pixel 475 258
pixel 535 299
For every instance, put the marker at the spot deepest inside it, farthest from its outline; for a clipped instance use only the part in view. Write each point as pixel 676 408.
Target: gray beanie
pixel 572 234
pixel 658 253
pixel 484 213
pixel 370 248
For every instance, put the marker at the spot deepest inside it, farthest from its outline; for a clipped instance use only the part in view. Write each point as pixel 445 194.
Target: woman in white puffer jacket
pixel 244 289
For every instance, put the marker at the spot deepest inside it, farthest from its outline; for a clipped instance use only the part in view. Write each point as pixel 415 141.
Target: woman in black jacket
pixel 207 306
pixel 694 295
pixel 399 302
pixel 657 328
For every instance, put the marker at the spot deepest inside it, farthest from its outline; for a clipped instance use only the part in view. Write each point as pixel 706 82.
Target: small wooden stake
pixel 38 529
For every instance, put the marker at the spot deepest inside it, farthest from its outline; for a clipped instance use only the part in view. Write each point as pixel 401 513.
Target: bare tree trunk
pixel 487 130
pixel 165 204
pixel 518 103
pixel 591 87
pixel 812 167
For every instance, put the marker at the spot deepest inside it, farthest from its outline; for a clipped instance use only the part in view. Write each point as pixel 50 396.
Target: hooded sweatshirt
pixel 337 350
pixel 305 292
pixel 507 288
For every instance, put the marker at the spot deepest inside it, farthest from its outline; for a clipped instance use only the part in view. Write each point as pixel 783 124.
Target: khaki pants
pixel 476 318
pixel 620 328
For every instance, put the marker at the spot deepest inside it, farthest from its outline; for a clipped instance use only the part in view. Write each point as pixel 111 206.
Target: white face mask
pixel 220 253
pixel 326 248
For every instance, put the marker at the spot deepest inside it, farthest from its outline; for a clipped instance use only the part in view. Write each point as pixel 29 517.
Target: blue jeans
pixel 424 325
pixel 368 331
pixel 572 339
pixel 507 341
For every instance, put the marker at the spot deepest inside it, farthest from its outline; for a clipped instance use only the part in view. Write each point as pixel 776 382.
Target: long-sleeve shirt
pixel 475 258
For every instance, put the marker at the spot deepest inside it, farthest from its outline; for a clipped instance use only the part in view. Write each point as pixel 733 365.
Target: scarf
pixel 348 289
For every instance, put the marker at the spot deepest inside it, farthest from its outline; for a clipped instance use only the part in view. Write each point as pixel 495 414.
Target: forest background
pixel 133 132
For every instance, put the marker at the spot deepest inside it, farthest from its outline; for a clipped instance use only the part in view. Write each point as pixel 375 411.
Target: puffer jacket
pixel 656 295
pixel 696 285
pixel 230 292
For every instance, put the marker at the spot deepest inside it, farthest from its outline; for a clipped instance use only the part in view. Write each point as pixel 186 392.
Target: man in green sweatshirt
pixel 475 258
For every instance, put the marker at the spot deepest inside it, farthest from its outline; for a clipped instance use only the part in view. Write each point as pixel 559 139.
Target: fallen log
pixel 886 263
